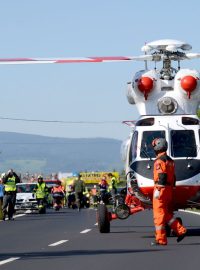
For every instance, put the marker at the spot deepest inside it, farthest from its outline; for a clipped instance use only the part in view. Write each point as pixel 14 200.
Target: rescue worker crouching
pixel 164 181
pixel 41 192
pixel 9 180
pixel 58 194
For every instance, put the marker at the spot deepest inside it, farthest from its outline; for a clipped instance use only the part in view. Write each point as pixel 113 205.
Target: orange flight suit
pixel 164 181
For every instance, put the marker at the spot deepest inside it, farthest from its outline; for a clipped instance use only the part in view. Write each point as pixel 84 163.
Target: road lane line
pixel 189 211
pixel 57 243
pixel 19 215
pixel 16 216
pixel 86 231
pixel 9 260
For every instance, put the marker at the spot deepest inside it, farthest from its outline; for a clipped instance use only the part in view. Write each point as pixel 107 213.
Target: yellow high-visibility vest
pixel 10 185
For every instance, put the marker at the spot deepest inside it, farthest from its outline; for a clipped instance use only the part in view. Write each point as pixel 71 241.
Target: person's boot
pixel 4 216
pixel 181 237
pixel 155 243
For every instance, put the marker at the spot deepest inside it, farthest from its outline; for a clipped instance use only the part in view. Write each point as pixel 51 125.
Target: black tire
pixel 122 211
pixel 103 218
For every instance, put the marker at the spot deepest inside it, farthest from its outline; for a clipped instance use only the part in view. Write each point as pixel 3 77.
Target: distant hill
pixel 34 153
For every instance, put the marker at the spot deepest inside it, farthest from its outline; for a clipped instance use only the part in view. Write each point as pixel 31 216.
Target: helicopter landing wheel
pixel 122 211
pixel 103 218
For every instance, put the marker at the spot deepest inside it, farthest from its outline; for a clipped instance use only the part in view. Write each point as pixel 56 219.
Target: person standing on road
pixel 103 186
pixel 112 186
pixel 9 180
pixel 79 188
pixel 164 181
pixel 41 191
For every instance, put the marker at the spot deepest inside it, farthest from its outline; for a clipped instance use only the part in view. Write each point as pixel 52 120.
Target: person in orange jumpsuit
pixel 58 194
pixel 164 181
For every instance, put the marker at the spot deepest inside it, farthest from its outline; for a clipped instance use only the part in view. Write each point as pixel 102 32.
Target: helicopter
pixel 167 100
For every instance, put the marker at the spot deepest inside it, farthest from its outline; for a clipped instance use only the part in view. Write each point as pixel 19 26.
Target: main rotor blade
pixel 21 61
pixel 192 55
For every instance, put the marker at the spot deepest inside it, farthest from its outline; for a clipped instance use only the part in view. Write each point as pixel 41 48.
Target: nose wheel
pixel 103 218
pixel 122 211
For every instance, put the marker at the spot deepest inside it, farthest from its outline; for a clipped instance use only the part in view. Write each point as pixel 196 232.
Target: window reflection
pixel 183 143
pixel 147 150
pixel 133 152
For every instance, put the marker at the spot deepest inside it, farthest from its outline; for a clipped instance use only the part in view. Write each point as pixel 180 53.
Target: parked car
pixel 25 198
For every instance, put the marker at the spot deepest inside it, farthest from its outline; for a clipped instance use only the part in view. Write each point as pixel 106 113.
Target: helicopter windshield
pixel 147 150
pixel 133 152
pixel 183 143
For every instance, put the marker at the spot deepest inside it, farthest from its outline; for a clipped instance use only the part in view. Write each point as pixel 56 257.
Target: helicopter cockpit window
pixel 133 150
pixel 190 121
pixel 145 122
pixel 183 143
pixel 199 135
pixel 146 150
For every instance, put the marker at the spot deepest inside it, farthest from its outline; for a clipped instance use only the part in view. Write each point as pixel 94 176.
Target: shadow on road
pixel 57 254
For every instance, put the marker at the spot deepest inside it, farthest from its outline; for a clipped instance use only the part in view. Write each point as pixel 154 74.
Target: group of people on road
pixel 164 182
pixel 8 190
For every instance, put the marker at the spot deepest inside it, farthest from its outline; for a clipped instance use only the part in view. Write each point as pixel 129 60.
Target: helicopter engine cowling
pixel 187 90
pixel 143 86
pixel 187 83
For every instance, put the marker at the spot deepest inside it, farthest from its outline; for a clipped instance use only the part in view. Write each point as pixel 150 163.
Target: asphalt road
pixel 70 240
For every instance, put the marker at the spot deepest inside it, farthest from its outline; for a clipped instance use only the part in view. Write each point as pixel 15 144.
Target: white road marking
pixel 189 211
pixel 86 231
pixel 9 260
pixel 58 243
pixel 20 215
pixel 16 216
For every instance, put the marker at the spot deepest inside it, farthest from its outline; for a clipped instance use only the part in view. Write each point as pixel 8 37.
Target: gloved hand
pixel 156 194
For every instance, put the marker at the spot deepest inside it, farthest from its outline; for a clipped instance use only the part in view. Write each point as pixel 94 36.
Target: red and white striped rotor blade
pixel 18 61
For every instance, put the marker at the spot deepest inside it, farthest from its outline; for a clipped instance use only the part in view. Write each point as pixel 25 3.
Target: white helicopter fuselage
pixel 182 134
pixel 167 100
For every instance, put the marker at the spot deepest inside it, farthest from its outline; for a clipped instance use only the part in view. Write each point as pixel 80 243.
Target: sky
pixel 91 93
